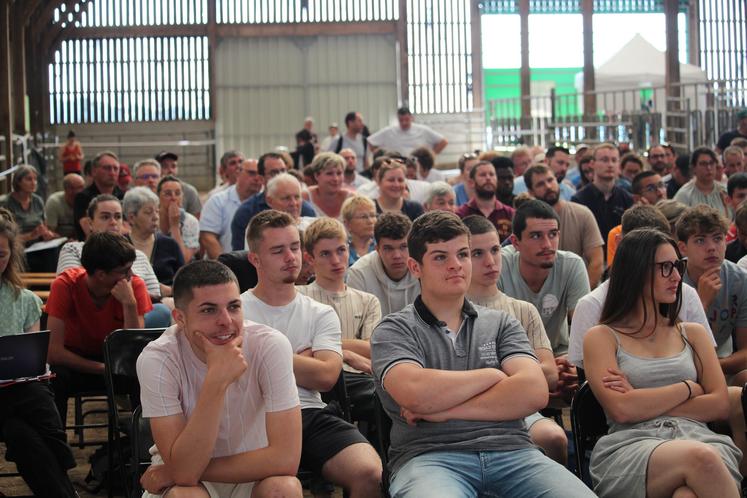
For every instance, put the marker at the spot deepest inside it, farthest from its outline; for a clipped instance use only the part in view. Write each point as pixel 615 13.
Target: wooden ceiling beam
pixel 306 29
pixel 73 33
pixel 234 30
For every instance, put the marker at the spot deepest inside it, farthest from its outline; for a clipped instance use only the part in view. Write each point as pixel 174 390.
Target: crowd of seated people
pixel 469 305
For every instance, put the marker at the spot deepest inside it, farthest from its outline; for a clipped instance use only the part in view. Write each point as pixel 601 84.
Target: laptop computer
pixel 23 355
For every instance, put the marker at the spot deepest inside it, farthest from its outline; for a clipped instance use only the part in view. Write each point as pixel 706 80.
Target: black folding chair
pixel 80 400
pixel 339 394
pixel 141 441
pixel 238 262
pixel 121 351
pixel 384 430
pixel 589 423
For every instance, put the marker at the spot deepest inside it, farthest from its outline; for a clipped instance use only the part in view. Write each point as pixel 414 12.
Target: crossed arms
pixel 705 400
pixel 486 394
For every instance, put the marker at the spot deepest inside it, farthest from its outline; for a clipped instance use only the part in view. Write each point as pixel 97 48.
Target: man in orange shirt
pixel 85 305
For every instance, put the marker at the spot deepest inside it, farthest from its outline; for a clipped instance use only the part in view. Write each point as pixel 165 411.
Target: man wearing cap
pixel 741 131
pixel 170 166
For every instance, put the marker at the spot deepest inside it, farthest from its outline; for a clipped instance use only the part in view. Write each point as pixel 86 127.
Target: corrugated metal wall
pixel 265 87
pixel 190 140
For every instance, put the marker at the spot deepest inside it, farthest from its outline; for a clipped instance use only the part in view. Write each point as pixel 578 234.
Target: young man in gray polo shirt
pixel 457 381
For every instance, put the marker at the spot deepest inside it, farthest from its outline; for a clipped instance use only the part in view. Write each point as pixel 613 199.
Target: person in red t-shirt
pixel 71 154
pixel 87 304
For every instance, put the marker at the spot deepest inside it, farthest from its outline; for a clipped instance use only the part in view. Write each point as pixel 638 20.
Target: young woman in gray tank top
pixel 659 383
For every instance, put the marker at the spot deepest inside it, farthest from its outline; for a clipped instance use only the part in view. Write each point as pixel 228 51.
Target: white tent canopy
pixel 638 64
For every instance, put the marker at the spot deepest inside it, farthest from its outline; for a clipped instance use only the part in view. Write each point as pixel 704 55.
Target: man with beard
pixel 352 179
pixel 504 173
pixel 553 281
pixel 579 232
pixel 483 180
pixel 330 446
pixel 657 159
pixel 558 159
pixel 607 201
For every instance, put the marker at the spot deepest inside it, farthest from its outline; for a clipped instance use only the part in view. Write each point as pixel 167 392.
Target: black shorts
pixel 325 434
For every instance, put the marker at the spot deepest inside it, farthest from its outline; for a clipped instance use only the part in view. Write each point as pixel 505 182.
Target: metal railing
pixel 693 114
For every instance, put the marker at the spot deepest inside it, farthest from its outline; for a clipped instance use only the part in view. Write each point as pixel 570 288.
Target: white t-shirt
pixel 434 175
pixel 589 309
pixel 742 263
pixel 395 139
pixel 349 143
pixel 306 323
pixel 171 378
pixel 357 182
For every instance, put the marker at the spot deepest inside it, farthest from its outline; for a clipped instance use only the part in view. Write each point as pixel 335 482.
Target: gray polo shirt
pixel 486 339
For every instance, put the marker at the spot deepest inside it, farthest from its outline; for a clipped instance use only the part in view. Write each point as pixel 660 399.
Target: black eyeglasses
pixel 667 267
pixel 653 187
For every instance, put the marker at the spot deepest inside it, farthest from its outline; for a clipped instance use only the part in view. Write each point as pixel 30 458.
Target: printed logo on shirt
pixel 549 304
pixel 716 313
pixel 488 354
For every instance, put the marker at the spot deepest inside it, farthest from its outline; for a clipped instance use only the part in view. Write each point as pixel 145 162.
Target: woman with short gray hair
pixel 27 207
pixel 140 206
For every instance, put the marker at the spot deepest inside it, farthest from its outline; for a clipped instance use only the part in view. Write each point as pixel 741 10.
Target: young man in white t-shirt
pixel 220 395
pixel 331 446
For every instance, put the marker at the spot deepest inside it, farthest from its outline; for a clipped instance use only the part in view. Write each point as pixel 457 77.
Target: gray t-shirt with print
pixel 728 311
pixel 486 339
pixel 566 283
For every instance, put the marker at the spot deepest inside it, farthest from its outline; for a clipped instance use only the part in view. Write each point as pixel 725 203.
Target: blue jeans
pixel 158 317
pixel 524 473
